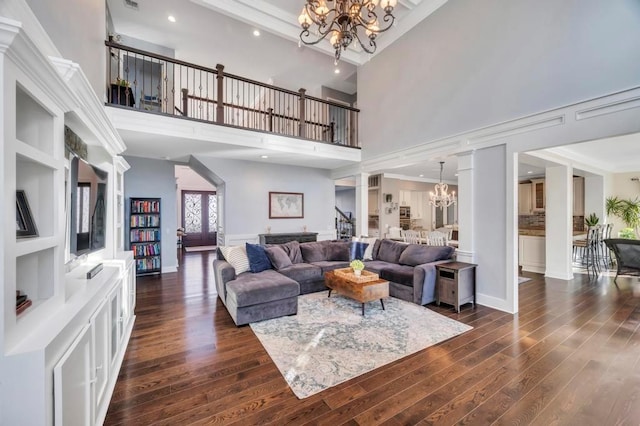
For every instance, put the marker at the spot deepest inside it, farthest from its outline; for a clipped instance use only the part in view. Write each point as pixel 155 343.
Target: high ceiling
pixel 208 32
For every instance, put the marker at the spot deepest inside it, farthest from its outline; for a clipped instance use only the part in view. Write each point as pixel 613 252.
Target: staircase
pixel 345 225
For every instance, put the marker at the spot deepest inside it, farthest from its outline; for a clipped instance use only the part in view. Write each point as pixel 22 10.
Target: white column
pixel 559 222
pixel 465 208
pixel 362 204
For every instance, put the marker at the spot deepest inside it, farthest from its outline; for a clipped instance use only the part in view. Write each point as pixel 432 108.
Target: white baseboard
pixel 494 302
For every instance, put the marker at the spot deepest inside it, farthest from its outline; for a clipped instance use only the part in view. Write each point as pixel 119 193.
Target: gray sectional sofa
pixel 298 268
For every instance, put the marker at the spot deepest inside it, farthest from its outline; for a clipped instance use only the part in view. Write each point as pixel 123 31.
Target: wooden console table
pixel 301 237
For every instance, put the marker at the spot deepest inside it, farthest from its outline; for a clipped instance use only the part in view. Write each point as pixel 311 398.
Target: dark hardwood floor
pixel 570 357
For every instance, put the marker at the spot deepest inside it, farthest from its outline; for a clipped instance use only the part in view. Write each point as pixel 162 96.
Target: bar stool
pixel 588 249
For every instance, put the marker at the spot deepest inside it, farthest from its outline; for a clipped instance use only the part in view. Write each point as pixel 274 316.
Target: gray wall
pixel 155 179
pixel 78 29
pixel 247 186
pixel 474 63
pixel 489 217
pixel 346 200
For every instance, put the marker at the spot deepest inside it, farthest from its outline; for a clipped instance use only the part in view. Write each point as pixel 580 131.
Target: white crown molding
pixel 90 110
pixel 416 179
pixel 280 22
pixel 9 29
pixel 625 103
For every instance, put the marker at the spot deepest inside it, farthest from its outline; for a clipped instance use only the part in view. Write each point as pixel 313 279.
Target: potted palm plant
pixel 626 210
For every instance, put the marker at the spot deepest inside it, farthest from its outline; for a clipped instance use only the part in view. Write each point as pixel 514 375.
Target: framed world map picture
pixel 286 205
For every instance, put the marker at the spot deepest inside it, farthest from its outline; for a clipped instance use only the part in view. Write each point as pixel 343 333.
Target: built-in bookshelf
pixel 145 234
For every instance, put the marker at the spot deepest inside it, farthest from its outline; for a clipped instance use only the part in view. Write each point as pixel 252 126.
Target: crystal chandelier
pixel 344 22
pixel 441 198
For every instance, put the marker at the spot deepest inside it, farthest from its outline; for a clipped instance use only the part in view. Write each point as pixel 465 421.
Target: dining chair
pixel 410 236
pixel 437 238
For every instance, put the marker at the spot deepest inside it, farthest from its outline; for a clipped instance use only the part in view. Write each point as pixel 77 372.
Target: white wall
pixel 475 63
pixel 623 187
pixel 346 200
pixel 78 29
pixel 155 179
pixel 247 186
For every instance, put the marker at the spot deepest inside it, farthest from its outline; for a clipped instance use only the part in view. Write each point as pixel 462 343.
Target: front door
pixel 199 218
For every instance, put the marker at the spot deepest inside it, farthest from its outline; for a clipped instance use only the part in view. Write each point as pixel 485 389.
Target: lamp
pixel 441 198
pixel 344 22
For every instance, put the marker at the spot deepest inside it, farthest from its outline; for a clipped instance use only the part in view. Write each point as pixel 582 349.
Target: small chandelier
pixel 441 198
pixel 344 22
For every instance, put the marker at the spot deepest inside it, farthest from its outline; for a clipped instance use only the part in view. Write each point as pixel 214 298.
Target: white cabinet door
pixel 524 199
pixel 100 331
pixel 115 324
pixel 405 198
pixel 72 383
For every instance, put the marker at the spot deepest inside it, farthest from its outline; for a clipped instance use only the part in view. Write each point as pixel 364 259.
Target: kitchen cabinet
pixel 578 196
pixel 418 204
pixel 405 198
pixel 524 199
pixel 537 195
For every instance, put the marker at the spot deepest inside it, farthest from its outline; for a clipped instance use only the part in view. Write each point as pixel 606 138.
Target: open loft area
pixel 415 180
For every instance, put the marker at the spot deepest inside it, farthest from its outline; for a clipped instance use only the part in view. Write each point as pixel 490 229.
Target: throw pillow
pixel 292 248
pixel 390 251
pixel 237 257
pixel 279 258
pixel 357 250
pixel 314 251
pixel 337 250
pixel 258 259
pixel 368 253
pixel 417 254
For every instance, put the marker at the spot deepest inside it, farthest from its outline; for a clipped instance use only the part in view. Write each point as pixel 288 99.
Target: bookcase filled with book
pixel 145 234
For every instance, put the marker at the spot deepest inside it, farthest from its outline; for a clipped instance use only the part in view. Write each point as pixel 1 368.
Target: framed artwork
pixel 286 205
pixel 25 226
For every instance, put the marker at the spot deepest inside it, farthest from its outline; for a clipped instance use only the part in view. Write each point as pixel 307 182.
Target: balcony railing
pixel 155 83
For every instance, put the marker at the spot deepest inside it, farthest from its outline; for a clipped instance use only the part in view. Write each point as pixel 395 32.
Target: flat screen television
pixel 87 209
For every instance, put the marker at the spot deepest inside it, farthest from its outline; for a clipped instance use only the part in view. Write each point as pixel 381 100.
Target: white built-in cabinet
pixel 418 204
pixel 538 196
pixel 59 358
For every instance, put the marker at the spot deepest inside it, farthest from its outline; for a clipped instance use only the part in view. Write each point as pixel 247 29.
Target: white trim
pixel 168 269
pixel 494 302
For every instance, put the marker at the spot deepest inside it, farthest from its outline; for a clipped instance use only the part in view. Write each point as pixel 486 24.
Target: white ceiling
pixel 208 32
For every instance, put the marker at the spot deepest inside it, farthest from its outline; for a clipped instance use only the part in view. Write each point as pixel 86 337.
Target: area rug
pixel 329 341
pixel 199 248
pixel 523 280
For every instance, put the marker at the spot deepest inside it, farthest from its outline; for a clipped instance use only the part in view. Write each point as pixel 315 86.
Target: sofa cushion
pixel 314 251
pixel 330 265
pixel 258 259
pixel 302 272
pixel 237 257
pixel 390 251
pixel 418 254
pixel 401 274
pixel 357 250
pixel 278 257
pixel 375 265
pixel 376 249
pixel 337 250
pixel 292 248
pixel 266 286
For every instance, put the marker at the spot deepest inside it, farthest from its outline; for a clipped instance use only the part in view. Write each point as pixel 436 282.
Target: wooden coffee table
pixel 362 292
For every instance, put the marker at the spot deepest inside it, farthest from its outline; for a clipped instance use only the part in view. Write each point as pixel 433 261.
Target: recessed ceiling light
pixel 264 156
pixel 456 174
pixel 420 175
pixel 171 18
pixel 529 172
pixel 337 71
pixel 256 33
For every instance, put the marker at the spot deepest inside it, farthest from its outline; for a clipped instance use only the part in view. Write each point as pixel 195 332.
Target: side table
pixel 456 284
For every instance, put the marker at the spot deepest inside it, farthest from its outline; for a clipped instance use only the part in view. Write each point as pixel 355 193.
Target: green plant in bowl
pixel 592 220
pixel 357 265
